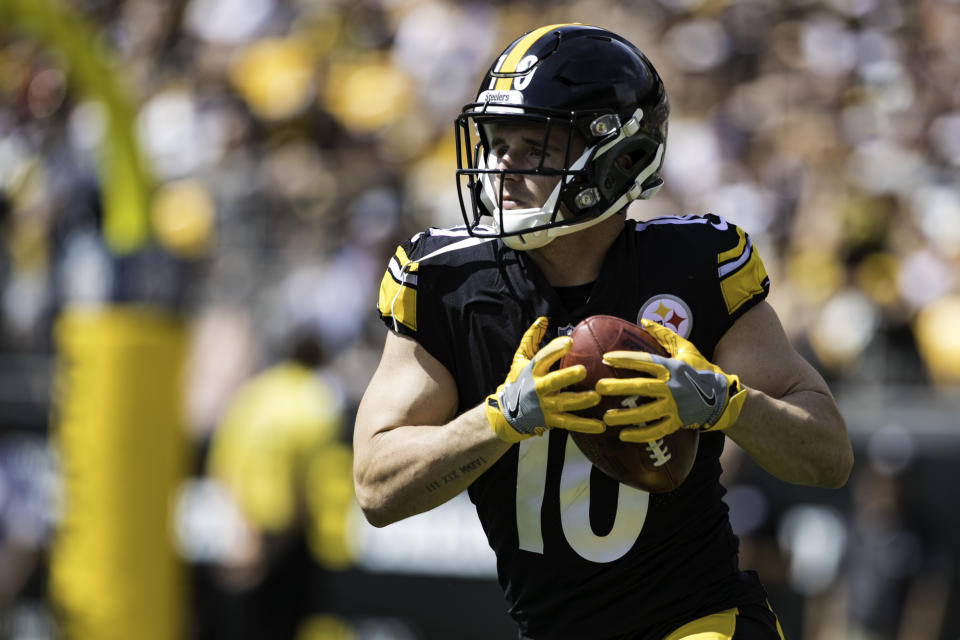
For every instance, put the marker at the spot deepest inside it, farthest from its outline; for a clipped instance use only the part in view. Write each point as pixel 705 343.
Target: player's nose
pixel 506 161
pixel 509 162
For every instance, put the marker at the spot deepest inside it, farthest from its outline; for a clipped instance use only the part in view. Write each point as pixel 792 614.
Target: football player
pixel 568 128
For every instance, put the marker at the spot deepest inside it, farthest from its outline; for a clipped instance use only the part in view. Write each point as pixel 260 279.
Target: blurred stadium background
pixel 198 197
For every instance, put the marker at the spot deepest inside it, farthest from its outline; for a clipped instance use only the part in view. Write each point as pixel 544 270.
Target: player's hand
pixel 686 391
pixel 532 399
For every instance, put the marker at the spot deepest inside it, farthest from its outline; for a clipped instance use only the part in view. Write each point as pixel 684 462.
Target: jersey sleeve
pixel 397 300
pixel 743 278
pixel 428 282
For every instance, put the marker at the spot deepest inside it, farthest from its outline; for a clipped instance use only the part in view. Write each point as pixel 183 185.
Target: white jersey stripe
pixel 398 273
pixel 691 218
pixel 730 267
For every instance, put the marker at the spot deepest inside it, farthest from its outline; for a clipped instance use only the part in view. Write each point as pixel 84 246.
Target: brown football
pixel 657 467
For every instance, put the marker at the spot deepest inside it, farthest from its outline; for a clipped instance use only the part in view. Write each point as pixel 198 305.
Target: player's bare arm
pixel 410 453
pixel 789 422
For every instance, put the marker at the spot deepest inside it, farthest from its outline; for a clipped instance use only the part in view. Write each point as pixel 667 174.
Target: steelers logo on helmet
pixel 574 85
pixel 670 311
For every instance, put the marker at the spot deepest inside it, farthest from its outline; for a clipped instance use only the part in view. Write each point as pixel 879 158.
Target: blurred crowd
pixel 291 144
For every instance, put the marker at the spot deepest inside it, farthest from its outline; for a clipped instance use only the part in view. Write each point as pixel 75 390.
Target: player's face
pixel 522 147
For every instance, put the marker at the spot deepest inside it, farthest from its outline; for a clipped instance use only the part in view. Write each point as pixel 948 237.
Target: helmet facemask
pixel 599 166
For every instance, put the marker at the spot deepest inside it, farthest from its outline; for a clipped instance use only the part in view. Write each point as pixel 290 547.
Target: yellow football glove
pixel 686 391
pixel 531 401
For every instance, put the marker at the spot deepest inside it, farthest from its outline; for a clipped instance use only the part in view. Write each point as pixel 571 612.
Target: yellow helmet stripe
pixel 519 50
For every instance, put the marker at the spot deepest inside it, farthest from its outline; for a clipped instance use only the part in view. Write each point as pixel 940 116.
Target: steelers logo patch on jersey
pixel 669 311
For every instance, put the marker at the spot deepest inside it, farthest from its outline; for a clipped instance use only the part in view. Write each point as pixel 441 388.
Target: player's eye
pixel 499 150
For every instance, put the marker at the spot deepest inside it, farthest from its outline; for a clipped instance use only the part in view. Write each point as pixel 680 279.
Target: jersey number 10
pixel 574 504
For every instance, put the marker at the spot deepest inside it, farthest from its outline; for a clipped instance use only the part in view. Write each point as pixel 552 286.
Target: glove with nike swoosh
pixel 532 400
pixel 686 391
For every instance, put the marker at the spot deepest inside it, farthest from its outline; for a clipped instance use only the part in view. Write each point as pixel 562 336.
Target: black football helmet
pixel 580 81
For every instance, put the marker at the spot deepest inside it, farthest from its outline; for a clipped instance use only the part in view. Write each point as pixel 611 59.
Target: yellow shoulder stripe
pixel 730 254
pixel 741 272
pixel 743 284
pixel 398 291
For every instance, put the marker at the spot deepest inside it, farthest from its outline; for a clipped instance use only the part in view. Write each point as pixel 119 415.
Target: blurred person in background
pixel 571 125
pixel 896 570
pixel 888 560
pixel 29 484
pixel 278 453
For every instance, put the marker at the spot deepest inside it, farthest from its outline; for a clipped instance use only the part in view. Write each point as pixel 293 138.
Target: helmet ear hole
pixel 619 167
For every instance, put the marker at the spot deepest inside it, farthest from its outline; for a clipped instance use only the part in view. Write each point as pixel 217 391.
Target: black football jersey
pixel 578 554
